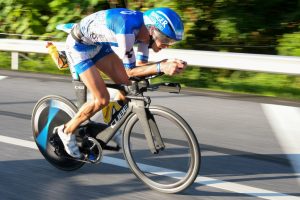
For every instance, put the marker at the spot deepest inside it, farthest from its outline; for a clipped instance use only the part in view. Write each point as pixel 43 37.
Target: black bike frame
pixel 137 105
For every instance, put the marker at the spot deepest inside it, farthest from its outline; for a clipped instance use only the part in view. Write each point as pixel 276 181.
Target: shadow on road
pixel 37 179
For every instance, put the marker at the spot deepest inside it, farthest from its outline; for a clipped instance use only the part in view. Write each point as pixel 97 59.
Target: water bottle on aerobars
pixel 59 57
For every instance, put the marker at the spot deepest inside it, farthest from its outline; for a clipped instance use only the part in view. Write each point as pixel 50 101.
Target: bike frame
pixel 136 105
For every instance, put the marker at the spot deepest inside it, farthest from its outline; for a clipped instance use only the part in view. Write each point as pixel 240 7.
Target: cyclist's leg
pixel 81 58
pixel 108 62
pixel 113 67
pixel 95 84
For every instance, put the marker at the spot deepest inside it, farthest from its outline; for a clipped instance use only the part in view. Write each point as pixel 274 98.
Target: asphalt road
pixel 242 157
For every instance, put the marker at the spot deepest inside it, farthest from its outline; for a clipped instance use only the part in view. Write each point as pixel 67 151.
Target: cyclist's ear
pixel 151 30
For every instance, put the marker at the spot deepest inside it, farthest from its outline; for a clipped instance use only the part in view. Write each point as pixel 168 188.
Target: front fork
pixel 151 131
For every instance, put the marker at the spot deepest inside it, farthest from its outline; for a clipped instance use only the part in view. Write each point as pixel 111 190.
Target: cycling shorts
pixel 81 56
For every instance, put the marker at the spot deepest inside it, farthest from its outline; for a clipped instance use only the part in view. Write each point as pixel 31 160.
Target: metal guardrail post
pixel 14 60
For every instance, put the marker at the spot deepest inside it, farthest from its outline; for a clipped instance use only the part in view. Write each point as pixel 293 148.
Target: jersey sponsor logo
pixel 99 37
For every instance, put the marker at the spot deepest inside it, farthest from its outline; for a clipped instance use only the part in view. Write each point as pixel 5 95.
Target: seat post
pixel 80 92
pixel 79 87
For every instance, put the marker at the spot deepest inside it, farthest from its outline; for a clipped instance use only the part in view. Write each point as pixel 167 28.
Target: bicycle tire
pixel 139 169
pixel 49 112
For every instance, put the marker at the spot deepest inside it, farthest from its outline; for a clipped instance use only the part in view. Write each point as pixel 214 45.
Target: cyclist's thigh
pixel 81 58
pixel 94 82
pixel 113 67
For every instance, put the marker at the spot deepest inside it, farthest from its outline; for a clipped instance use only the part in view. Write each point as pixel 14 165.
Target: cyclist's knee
pixel 99 103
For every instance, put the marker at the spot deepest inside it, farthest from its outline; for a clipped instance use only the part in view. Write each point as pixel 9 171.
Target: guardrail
pixel 225 60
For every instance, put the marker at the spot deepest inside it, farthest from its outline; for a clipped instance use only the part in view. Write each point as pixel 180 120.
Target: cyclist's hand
pixel 171 67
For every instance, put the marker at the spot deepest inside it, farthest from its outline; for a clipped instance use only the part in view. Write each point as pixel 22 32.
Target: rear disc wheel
pixel 50 112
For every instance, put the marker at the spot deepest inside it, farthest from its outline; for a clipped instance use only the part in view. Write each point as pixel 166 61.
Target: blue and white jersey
pixel 117 27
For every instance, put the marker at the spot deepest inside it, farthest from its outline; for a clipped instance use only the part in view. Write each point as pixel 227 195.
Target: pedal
pixel 90 148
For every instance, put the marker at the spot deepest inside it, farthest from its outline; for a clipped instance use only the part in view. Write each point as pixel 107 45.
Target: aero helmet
pixel 166 20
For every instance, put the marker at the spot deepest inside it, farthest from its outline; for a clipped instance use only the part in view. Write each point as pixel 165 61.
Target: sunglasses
pixel 164 40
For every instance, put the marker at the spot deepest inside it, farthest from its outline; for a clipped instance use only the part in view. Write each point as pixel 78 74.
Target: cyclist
pixel 104 41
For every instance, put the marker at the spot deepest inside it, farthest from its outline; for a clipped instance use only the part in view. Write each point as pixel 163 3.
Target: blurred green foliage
pixel 251 26
pixel 248 26
pixel 289 44
pixel 41 17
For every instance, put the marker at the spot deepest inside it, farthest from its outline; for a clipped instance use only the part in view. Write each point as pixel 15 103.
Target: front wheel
pixel 49 112
pixel 175 167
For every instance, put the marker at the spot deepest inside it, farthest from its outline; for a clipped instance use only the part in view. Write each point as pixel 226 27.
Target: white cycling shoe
pixel 69 141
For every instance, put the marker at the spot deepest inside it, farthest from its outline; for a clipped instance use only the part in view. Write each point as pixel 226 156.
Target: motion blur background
pixel 248 26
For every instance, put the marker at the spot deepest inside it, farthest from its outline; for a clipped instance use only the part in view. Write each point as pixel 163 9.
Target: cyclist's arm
pixel 169 67
pixel 142 69
pixel 142 66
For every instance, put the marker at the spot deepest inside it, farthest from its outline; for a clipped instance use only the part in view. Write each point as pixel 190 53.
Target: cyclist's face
pixel 160 41
pixel 157 46
pixel 161 45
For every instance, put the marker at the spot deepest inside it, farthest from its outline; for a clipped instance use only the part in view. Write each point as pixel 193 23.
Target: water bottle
pixel 59 57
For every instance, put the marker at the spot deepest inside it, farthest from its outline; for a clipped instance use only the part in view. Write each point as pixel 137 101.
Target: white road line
pixel 18 142
pixel 233 187
pixel 285 122
pixel 2 77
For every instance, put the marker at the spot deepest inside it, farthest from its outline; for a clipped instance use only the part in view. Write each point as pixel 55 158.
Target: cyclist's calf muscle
pixel 85 112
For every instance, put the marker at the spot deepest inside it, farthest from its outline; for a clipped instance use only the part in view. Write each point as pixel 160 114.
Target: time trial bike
pixel 159 146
